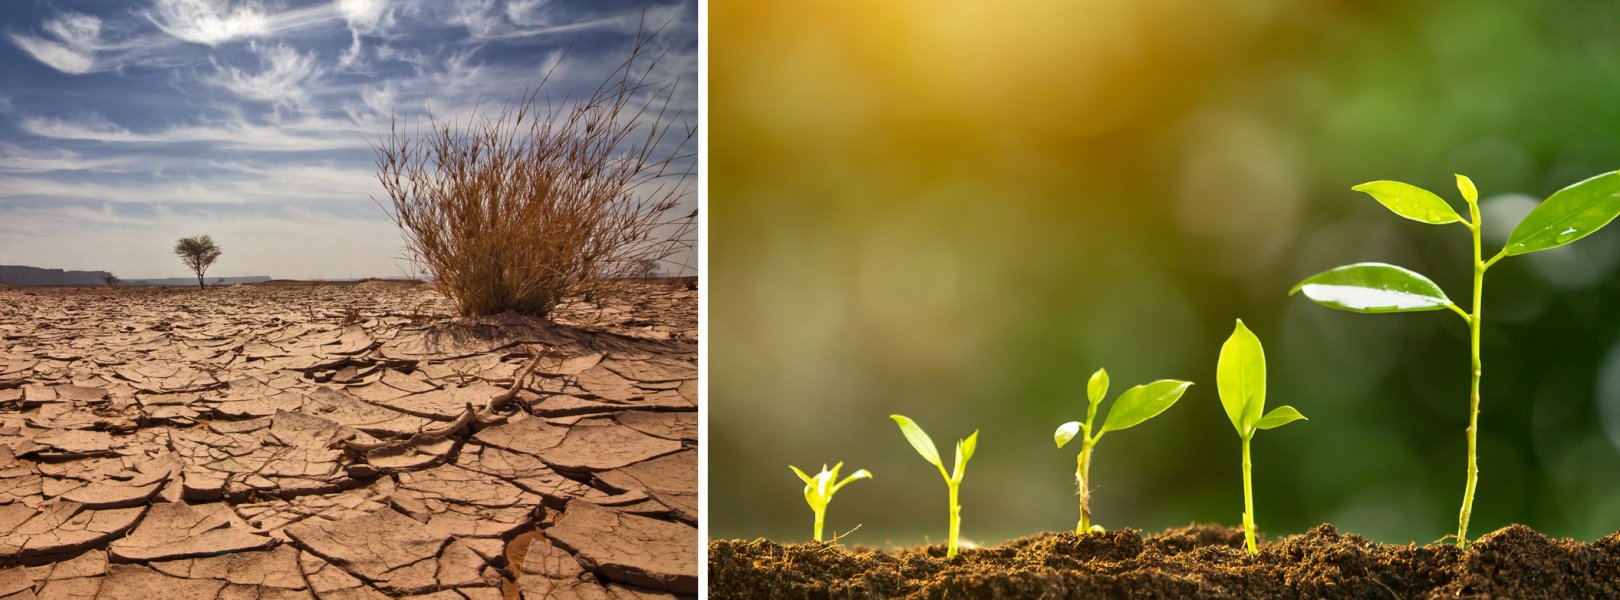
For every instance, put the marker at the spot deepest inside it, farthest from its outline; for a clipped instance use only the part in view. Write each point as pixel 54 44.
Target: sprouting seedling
pixel 1568 215
pixel 925 446
pixel 1240 378
pixel 819 490
pixel 1136 405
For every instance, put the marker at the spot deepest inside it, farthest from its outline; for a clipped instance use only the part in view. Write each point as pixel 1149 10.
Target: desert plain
pixel 345 441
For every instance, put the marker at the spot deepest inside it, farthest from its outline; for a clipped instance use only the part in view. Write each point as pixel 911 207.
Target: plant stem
pixel 1474 320
pixel 956 521
pixel 1083 479
pixel 820 514
pixel 1248 501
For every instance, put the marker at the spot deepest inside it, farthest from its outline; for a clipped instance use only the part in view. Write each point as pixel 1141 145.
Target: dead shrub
pixel 547 200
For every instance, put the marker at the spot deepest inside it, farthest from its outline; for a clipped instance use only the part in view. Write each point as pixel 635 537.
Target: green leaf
pixel 1466 186
pixel 968 446
pixel 1278 417
pixel 1143 402
pixel 1373 288
pixel 801 474
pixel 1568 215
pixel 858 475
pixel 918 439
pixel 1066 432
pixel 1240 378
pixel 1410 201
pixel 1098 386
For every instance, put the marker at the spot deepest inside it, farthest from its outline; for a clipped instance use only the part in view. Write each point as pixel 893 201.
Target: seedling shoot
pixel 964 451
pixel 819 489
pixel 1240 379
pixel 1568 215
pixel 1136 405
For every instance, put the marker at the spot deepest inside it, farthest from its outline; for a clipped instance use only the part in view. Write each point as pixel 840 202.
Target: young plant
pixel 1568 215
pixel 925 446
pixel 819 490
pixel 1240 378
pixel 1136 405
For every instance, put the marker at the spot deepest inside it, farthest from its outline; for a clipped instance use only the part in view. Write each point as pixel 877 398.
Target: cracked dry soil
pixel 1205 561
pixel 344 441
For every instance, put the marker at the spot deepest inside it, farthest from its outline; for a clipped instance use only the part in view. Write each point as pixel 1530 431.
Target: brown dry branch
pixel 546 200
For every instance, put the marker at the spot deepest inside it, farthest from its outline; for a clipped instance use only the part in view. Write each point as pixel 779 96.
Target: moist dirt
pixel 1203 561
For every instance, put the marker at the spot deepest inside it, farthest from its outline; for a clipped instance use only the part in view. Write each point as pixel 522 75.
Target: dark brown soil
pixel 1195 562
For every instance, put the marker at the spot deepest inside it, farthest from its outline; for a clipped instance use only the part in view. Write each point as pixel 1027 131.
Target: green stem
pixel 1082 476
pixel 1474 321
pixel 820 514
pixel 956 521
pixel 1248 501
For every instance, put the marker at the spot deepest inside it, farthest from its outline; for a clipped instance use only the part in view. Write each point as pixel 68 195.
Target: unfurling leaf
pixel 1240 378
pixel 969 445
pixel 1466 186
pixel 1097 387
pixel 1410 201
pixel 1143 402
pixel 1278 417
pixel 1373 288
pixel 1066 432
pixel 919 440
pixel 1568 215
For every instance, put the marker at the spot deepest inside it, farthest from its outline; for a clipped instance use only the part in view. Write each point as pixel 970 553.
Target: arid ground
pixel 344 441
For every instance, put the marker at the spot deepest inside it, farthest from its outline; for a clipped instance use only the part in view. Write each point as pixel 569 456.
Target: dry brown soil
pixel 1194 562
pixel 344 441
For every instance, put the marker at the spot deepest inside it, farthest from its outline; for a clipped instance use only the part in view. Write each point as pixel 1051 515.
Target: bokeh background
pixel 957 210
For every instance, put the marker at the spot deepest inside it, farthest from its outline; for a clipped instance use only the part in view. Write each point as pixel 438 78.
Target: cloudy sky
pixel 124 126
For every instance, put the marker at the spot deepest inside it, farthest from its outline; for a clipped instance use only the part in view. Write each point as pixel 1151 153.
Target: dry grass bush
pixel 546 200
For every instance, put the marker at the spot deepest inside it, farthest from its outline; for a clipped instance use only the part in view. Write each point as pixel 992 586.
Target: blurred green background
pixel 957 210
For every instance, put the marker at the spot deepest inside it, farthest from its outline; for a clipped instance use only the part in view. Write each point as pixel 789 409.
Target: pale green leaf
pixel 1066 432
pixel 1278 417
pixel 1240 378
pixel 1466 186
pixel 969 445
pixel 919 440
pixel 1568 215
pixel 801 474
pixel 1410 201
pixel 1143 402
pixel 858 475
pixel 1373 288
pixel 1097 387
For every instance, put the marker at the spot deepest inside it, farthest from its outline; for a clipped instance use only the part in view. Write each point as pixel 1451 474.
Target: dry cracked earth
pixel 344 441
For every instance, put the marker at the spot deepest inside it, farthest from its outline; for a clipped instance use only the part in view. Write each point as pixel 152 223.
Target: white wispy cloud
pixel 17 159
pixel 73 50
pixel 282 78
pixel 208 22
pixel 305 135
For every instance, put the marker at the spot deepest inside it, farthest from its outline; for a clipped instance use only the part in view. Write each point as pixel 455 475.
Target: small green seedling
pixel 819 490
pixel 1136 405
pixel 1568 215
pixel 925 446
pixel 1240 378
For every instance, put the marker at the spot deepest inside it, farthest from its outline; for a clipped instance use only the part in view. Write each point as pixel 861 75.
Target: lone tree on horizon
pixel 198 252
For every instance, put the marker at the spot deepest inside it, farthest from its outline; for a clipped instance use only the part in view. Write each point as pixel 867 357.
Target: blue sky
pixel 124 126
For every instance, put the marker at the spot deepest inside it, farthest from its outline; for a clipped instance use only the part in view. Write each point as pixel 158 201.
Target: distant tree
pixel 198 253
pixel 111 279
pixel 646 268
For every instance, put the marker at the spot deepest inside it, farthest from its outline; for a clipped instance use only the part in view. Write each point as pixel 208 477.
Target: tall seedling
pixel 1568 215
pixel 1240 378
pixel 1136 405
pixel 925 446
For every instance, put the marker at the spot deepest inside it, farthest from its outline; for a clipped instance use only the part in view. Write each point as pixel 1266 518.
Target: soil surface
pixel 344 441
pixel 1194 562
